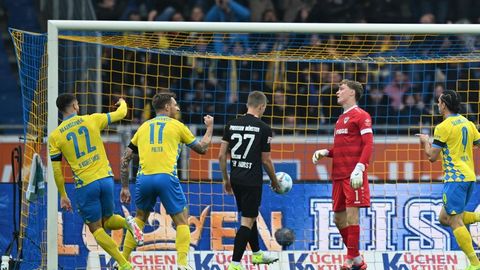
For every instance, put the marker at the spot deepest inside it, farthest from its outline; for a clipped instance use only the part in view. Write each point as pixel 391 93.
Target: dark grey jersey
pixel 247 138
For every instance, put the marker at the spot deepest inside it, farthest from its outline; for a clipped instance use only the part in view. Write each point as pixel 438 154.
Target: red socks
pixel 344 233
pixel 353 232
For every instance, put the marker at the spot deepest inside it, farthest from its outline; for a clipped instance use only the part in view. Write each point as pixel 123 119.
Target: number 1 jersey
pixel 247 137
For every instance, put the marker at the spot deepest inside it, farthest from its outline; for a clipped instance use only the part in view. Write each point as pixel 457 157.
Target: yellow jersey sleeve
pixel 187 137
pixel 134 139
pixel 118 114
pixel 101 120
pixel 440 136
pixel 53 150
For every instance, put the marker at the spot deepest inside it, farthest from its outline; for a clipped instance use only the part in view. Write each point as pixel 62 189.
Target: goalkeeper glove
pixel 319 154
pixel 356 178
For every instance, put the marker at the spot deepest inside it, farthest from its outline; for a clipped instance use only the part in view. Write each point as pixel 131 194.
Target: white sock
pixel 235 263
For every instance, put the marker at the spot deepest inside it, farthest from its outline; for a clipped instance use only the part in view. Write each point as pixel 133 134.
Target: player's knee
pixel 352 221
pixel 94 226
pixel 142 215
pixel 340 222
pixel 248 222
pixel 444 220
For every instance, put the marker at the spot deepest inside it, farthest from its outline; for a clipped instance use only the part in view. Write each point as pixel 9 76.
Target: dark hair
pixel 452 100
pixel 161 99
pixel 256 98
pixel 65 100
pixel 354 85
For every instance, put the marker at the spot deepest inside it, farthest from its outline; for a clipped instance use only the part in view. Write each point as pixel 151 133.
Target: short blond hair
pixel 256 98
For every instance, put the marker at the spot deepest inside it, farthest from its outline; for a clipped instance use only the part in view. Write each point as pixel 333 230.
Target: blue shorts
pixel 95 200
pixel 456 196
pixel 164 186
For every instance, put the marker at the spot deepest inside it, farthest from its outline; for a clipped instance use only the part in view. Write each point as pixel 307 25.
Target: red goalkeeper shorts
pixel 344 195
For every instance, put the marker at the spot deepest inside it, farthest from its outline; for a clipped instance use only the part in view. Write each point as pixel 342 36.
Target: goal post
pixel 57 27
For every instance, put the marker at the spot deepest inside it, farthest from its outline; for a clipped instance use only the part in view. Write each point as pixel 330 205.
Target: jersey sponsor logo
pixel 341 131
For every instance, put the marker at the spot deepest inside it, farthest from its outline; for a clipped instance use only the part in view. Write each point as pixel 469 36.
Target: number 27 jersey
pixel 247 137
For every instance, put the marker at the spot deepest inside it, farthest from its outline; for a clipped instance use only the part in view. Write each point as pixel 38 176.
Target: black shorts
pixel 248 199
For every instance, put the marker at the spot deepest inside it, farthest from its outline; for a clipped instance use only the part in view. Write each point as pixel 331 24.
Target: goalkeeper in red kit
pixel 351 151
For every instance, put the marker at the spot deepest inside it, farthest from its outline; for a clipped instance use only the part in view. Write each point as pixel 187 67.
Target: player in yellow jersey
pixel 78 139
pixel 158 144
pixel 454 138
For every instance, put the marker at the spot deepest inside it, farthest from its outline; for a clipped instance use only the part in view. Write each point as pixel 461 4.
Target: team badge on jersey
pixel 346 120
pixel 368 123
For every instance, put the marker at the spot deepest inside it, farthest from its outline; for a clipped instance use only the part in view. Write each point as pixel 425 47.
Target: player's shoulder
pixel 359 111
pixel 54 134
pixel 239 119
pixel 176 123
pixel 263 124
pixel 360 114
pixel 444 125
pixel 144 124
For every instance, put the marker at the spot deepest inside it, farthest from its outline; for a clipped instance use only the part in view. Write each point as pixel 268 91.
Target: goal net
pixel 212 68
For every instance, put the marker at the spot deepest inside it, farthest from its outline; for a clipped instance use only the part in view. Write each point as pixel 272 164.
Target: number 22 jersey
pixel 78 139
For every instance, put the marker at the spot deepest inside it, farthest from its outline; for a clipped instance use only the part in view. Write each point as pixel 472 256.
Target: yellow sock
pixel 182 243
pixel 464 240
pixel 470 217
pixel 107 243
pixel 129 243
pixel 115 222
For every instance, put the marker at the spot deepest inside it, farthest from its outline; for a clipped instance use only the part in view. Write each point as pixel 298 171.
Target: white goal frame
pixel 54 26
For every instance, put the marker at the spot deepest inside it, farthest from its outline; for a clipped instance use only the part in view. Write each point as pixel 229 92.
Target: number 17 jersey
pixel 247 137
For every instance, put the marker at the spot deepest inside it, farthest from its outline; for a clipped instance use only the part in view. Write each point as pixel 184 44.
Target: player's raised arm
pixel 120 113
pixel 202 146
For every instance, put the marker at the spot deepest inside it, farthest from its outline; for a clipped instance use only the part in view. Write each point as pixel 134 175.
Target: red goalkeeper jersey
pixel 352 143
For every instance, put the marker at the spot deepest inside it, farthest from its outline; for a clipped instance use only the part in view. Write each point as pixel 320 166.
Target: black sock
pixel 253 240
pixel 241 240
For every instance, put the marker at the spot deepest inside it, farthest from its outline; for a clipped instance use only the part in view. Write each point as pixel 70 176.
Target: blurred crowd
pixel 400 97
pixel 340 11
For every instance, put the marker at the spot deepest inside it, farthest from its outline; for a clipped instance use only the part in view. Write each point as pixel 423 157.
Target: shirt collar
pixel 70 116
pixel 349 109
